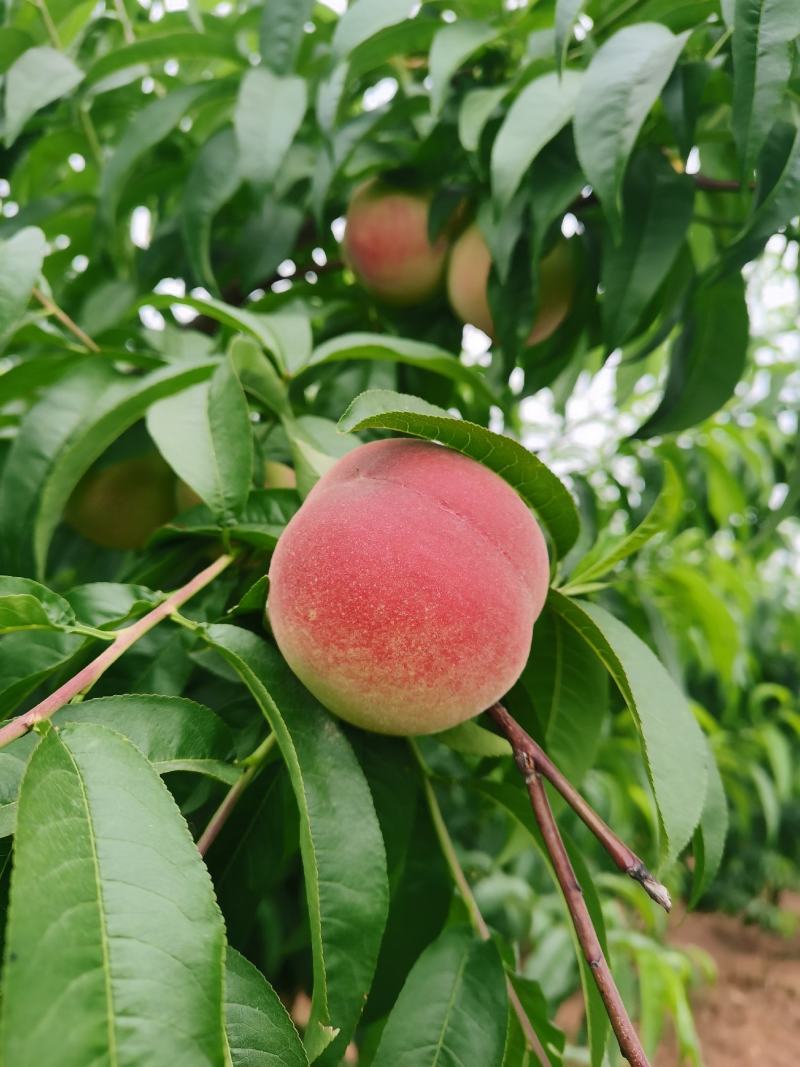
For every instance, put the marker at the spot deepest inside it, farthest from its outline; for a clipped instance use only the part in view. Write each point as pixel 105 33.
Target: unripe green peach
pixel 404 591
pixel 468 275
pixel 276 476
pixel 386 244
pixel 121 505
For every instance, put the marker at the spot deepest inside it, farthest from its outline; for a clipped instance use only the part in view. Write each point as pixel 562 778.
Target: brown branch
pixel 86 678
pixel 629 1043
pixel 624 858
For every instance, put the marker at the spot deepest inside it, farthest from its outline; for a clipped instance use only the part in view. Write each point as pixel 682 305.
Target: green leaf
pixel 567 687
pixel 156 49
pixel 212 181
pixel 707 360
pixel 535 483
pixel 21 258
pixel 257 375
pixel 268 114
pixel 112 920
pixel 543 108
pixel 659 210
pixel 27 605
pixel 60 437
pixel 378 347
pixel 673 745
pixel 624 79
pixel 475 111
pixel 345 871
pixel 709 837
pixel 260 523
pixel 260 1032
pixel 452 1008
pixel 777 204
pixel 281 32
pixel 472 740
pixel 363 19
pixel 13 43
pixel 451 46
pixel 253 600
pixel 204 434
pixel 12 768
pixel 567 12
pixel 173 733
pixel 151 125
pixel 514 799
pixel 110 604
pixel 538 1010
pixel 662 516
pixel 763 32
pixel 27 659
pixel 36 79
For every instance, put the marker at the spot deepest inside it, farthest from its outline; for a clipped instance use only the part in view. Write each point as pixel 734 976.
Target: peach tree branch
pixel 625 859
pixel 123 640
pixel 629 1043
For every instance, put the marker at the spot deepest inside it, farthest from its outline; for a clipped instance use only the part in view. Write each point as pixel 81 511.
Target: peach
pixel 404 591
pixel 468 274
pixel 121 505
pixel 386 244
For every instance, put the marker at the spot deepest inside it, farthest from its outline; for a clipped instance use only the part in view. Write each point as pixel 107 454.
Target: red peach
pixel 468 274
pixel 404 591
pixel 386 244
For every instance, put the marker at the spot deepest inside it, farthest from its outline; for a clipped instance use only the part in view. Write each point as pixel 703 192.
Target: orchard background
pixel 185 351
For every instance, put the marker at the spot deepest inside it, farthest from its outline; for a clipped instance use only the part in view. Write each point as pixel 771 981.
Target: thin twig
pixel 625 858
pixel 49 24
pixel 254 762
pixel 86 678
pixel 629 1043
pixel 125 20
pixel 53 309
pixel 477 919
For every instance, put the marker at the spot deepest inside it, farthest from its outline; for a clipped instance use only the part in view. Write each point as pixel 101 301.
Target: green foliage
pixel 171 278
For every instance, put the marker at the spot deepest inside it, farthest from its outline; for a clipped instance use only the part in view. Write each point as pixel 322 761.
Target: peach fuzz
pixel 386 244
pixel 468 275
pixel 404 591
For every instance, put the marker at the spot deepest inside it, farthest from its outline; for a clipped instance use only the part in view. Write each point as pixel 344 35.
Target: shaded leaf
pixel 204 434
pixel 36 79
pixel 21 258
pixel 543 108
pixel 212 181
pixel 709 837
pixel 567 12
pixel 451 46
pixel 623 81
pixel 452 1009
pixel 60 437
pixel 260 1032
pixel 662 515
pixel 659 210
pixel 368 346
pixel 707 360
